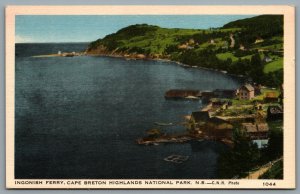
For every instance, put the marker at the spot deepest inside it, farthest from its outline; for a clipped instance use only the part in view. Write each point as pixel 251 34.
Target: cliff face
pixel 103 51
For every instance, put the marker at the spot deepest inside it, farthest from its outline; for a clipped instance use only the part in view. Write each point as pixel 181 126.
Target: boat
pixel 192 98
pixel 163 124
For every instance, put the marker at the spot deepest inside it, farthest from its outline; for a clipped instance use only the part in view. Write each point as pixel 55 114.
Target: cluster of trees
pixel 242 53
pixel 274 78
pixel 114 40
pixel 245 155
pixel 263 26
pixel 135 30
pixel 204 58
pixel 248 67
pixel 238 161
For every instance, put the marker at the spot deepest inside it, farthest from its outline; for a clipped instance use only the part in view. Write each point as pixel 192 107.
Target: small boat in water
pixel 192 98
pixel 163 124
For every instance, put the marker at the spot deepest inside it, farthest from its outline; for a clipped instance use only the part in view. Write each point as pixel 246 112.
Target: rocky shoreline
pixel 102 51
pixel 133 56
pixel 180 139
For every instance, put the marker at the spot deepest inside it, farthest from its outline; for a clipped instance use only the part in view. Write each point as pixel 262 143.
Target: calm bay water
pixel 79 117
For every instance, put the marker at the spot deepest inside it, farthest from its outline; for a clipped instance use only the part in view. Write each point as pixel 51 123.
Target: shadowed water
pixel 79 117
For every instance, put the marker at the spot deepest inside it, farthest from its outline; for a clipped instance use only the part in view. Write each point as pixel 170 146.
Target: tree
pixel 238 161
pixel 275 146
pixel 256 72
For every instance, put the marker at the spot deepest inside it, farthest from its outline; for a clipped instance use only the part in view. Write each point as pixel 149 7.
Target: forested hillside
pixel 251 47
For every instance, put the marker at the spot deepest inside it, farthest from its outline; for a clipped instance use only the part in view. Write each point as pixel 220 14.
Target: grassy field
pixel 229 29
pixel 148 39
pixel 164 37
pixel 225 56
pixel 273 46
pixel 280 38
pixel 274 66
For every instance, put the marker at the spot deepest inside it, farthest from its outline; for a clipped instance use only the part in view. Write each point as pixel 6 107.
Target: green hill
pixel 251 47
pixel 154 40
pixel 264 26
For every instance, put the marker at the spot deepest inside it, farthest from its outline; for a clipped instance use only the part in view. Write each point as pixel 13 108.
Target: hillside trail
pixel 263 169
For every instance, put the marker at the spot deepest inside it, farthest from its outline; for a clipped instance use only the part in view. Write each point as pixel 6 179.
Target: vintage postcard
pixel 150 97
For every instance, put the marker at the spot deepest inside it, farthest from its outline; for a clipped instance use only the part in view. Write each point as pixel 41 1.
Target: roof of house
pixel 200 116
pixel 225 90
pixel 262 127
pixel 271 95
pixel 224 93
pixel 254 128
pixel 181 93
pixel 248 87
pixel 249 127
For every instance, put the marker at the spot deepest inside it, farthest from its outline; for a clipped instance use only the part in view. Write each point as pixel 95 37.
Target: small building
pixel 140 56
pixel 223 93
pixel 271 97
pixel 212 41
pixel 189 47
pixel 246 92
pixel 258 40
pixel 261 143
pixel 256 131
pixel 218 128
pixel 219 123
pixel 242 47
pixel 267 59
pixel 182 46
pixel 182 94
pixel 191 41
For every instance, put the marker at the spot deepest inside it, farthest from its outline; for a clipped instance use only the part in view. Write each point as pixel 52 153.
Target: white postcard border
pixel 289 180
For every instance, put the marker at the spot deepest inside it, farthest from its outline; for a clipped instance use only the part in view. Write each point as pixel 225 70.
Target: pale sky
pixel 63 28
